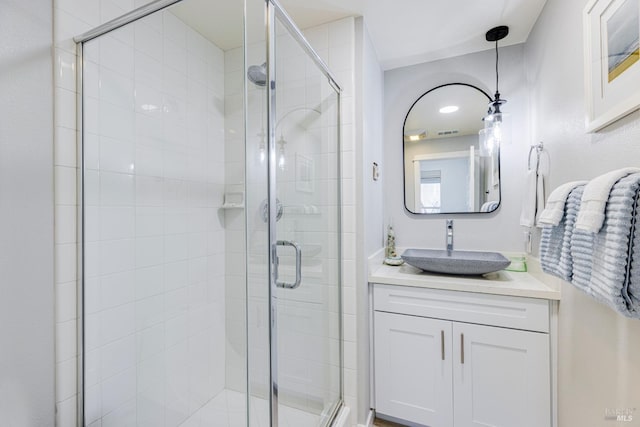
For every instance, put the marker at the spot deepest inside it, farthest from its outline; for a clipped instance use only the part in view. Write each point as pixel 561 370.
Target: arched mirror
pixel 445 169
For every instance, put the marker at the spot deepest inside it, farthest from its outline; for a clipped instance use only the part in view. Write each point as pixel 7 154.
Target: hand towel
pixel 603 262
pixel 555 207
pixel 594 199
pixel 540 198
pixel 555 240
pixel 533 199
pixel 528 214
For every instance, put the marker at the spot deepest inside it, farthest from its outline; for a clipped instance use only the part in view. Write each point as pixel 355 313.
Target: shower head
pixel 257 74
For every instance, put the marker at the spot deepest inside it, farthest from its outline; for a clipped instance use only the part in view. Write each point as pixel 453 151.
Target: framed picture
pixel 304 174
pixel 612 60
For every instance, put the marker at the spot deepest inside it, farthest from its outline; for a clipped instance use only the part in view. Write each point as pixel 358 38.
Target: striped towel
pixel 489 206
pixel 582 243
pixel 603 261
pixel 555 242
pixel 557 203
pixel 595 198
pixel 633 290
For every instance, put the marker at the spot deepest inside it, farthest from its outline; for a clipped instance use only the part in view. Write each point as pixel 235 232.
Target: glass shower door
pixel 211 231
pixel 163 320
pixel 304 160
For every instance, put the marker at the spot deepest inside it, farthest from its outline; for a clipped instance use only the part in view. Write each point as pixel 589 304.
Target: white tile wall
pixel 341 61
pixel 144 229
pixel 149 205
pixel 67 24
pixel 235 292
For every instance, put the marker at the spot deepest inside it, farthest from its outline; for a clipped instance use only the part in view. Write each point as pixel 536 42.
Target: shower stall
pixel 210 206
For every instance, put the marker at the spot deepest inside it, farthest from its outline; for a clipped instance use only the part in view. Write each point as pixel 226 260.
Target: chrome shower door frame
pixel 275 11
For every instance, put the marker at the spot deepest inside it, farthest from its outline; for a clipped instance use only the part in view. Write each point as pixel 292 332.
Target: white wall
pixel 370 235
pixel 598 348
pixel 499 230
pixel 371 100
pixel 26 215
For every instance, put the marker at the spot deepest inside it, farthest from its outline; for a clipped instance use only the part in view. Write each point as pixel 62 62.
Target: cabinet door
pixel 413 369
pixel 501 377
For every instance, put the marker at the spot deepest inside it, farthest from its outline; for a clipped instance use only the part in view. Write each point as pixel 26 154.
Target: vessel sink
pixel 455 262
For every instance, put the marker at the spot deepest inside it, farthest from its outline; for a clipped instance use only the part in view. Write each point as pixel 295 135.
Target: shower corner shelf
pixel 233 200
pixel 232 206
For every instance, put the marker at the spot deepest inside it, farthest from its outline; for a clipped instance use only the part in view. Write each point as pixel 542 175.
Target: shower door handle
pixel 296 247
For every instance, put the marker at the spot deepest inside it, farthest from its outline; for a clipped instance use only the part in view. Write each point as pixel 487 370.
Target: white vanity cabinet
pixel 446 358
pixel 413 368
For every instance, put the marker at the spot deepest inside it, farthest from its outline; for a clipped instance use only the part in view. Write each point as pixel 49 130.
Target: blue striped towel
pixel 603 264
pixel 555 242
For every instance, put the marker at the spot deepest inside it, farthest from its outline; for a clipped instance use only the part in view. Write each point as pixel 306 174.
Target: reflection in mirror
pixel 446 170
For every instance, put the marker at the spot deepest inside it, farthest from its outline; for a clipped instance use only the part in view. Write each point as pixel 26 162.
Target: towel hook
pixel 538 149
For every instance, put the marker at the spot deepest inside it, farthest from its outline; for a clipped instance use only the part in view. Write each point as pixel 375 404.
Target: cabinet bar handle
pixel 462 348
pixel 442 343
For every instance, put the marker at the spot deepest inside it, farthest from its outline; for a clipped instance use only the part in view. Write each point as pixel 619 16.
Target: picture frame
pixel 305 171
pixel 612 61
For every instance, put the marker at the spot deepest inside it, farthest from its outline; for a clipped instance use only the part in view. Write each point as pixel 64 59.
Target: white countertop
pixel 498 283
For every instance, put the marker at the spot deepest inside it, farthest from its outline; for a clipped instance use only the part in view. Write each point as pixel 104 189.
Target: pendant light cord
pixel 497 76
pixel 494 35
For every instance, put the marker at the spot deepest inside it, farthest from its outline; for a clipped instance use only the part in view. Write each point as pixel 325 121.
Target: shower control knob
pixel 264 210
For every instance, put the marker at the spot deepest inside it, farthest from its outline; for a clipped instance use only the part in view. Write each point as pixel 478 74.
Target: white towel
pixel 554 210
pixel 594 199
pixel 540 197
pixel 528 214
pixel 533 199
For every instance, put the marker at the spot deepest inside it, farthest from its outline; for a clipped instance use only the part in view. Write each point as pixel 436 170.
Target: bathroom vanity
pixel 462 351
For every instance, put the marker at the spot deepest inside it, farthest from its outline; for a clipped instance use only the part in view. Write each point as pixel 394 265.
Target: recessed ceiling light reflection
pixel 449 109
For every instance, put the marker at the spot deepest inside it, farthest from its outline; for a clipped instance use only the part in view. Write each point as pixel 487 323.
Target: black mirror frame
pixel 404 185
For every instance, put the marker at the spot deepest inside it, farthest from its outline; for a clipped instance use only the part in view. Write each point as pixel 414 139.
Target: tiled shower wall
pixel 235 282
pixel 154 253
pixel 71 18
pixel 334 42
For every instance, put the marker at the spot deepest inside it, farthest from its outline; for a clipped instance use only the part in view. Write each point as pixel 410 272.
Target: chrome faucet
pixel 449 235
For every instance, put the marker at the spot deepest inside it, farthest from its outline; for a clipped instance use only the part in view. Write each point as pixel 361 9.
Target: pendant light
pixel 281 155
pixel 496 130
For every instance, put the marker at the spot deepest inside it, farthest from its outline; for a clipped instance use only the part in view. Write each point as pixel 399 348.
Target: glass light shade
pixel 281 160
pixel 281 154
pixel 262 146
pixel 499 125
pixel 487 143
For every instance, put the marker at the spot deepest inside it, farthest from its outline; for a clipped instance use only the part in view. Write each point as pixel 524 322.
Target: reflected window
pixel 430 184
